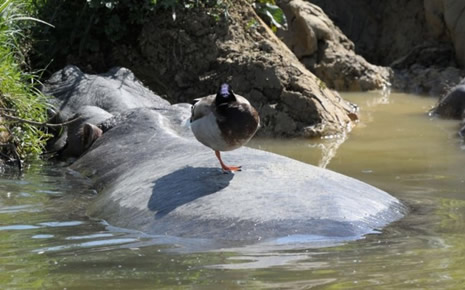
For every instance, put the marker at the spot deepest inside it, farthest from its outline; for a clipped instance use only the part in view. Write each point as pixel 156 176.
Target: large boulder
pixel 452 105
pixel 326 51
pixel 153 176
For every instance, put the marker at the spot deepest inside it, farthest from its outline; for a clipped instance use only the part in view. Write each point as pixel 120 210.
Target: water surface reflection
pixel 46 240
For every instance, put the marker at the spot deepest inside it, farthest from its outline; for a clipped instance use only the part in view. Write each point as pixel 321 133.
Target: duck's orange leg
pixel 224 166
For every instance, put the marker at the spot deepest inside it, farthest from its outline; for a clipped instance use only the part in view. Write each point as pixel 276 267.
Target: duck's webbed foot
pixel 225 167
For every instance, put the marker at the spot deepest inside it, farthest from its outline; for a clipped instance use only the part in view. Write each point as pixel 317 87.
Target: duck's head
pixel 224 95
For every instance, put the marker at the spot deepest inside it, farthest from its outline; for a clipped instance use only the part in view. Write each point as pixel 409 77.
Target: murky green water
pixel 47 242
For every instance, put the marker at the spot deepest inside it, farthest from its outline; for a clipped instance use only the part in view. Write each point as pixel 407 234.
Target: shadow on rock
pixel 185 185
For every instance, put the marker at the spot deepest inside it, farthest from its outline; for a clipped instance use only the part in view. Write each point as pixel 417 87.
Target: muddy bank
pixel 189 57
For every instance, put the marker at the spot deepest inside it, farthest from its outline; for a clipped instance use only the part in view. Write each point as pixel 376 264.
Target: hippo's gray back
pixel 153 176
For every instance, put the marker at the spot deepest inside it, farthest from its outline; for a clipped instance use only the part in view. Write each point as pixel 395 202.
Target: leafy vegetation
pixel 271 14
pixel 18 94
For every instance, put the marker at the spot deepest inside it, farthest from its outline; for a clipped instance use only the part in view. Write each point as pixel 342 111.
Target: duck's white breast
pixel 208 133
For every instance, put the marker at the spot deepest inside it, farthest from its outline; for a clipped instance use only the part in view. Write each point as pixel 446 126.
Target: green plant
pixel 322 85
pixel 18 94
pixel 271 14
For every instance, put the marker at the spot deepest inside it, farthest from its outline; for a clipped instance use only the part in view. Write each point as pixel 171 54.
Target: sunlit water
pixel 46 241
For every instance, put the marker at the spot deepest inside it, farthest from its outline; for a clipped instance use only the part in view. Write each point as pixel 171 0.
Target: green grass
pixel 18 93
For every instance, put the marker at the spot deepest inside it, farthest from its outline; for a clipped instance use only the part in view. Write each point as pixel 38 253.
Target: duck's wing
pixel 202 107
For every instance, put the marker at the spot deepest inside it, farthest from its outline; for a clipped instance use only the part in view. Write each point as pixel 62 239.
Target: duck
pixel 224 122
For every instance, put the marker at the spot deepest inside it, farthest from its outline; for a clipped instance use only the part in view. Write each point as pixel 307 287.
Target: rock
pixel 436 81
pixel 172 58
pixel 419 39
pixel 327 52
pixel 383 31
pixel 427 54
pixel 429 68
pixel 153 176
pixel 446 20
pixel 452 106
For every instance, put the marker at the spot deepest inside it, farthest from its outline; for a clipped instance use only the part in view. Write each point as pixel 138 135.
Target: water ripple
pixel 21 208
pixel 94 236
pixel 18 227
pixel 41 225
pixel 91 244
pixel 62 224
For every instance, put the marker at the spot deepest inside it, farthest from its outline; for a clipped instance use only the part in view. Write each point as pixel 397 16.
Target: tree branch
pixel 30 122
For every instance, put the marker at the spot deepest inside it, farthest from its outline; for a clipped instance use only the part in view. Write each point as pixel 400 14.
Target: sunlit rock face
pixel 152 175
pixel 421 40
pixel 327 52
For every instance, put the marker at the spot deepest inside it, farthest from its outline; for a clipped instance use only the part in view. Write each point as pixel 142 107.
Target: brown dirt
pixel 188 58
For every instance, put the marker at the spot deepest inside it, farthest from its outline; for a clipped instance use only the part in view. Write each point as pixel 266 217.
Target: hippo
pixel 153 176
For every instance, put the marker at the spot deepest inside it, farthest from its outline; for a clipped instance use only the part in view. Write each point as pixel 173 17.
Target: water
pixel 47 242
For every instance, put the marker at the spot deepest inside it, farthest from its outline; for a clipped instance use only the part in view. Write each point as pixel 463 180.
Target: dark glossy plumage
pixel 224 121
